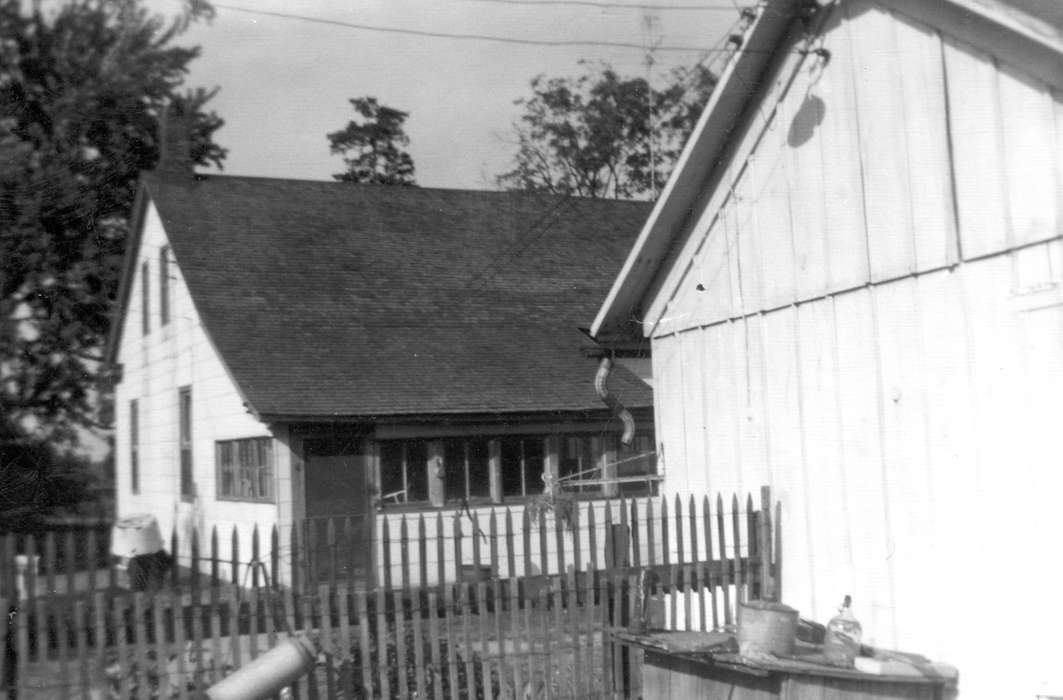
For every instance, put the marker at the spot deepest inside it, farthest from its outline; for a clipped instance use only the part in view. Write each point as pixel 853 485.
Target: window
pixel 403 471
pixel 164 285
pixel 134 446
pixel 184 404
pixel 245 469
pixel 577 462
pixel 145 302
pixel 465 469
pixel 408 476
pixel 636 461
pixel 522 466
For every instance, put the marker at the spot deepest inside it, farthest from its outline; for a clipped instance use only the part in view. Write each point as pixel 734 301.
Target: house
pixel 853 289
pixel 295 351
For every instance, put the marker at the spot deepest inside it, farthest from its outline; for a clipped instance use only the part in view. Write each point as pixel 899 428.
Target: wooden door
pixel 337 494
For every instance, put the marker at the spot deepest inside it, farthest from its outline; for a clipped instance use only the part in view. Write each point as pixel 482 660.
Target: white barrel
pixel 265 676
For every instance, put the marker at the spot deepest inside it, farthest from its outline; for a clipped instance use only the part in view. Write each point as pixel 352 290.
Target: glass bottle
pixel 841 644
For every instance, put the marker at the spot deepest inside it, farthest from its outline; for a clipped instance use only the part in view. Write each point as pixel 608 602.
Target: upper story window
pixel 245 469
pixel 164 285
pixel 134 446
pixel 145 297
pixel 184 428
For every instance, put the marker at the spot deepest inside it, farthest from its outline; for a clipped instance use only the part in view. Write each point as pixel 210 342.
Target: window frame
pixel 527 458
pixel 186 464
pixel 134 446
pixel 145 298
pixel 268 466
pixel 164 286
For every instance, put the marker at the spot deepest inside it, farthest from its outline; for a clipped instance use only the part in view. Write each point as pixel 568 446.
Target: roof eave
pixel 1022 40
pixel 699 160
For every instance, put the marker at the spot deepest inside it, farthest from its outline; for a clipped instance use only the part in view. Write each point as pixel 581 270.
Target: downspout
pixel 605 367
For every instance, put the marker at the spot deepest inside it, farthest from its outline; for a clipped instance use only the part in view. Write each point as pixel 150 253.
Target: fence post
pixel 768 591
pixel 725 562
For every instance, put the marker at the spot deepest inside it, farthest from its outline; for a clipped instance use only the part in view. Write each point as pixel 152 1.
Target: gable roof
pixel 1028 33
pixel 328 300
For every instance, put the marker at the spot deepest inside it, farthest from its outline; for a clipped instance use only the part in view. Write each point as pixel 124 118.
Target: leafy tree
pixel 373 147
pixel 604 135
pixel 82 90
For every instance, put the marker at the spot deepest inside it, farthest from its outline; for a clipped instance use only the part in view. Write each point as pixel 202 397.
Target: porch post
pixel 552 456
pixel 606 454
pixel 494 468
pixel 436 493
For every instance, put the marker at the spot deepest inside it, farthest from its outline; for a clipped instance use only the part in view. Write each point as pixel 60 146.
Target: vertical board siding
pixel 1030 156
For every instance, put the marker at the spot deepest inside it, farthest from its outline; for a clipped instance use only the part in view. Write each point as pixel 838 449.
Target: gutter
pixel 601 380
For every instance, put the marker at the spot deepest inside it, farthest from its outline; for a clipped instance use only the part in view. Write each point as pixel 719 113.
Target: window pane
pixel 637 460
pixel 134 445
pixel 512 466
pixel 454 469
pixel 479 473
pixel 391 465
pixel 145 297
pixel 164 285
pixel 416 471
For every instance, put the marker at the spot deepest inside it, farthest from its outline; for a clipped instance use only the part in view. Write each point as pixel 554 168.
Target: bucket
pixel 767 628
pixel 136 535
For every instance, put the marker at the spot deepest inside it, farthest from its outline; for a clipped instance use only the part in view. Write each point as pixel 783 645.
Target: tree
pixel 82 90
pixel 373 146
pixel 603 135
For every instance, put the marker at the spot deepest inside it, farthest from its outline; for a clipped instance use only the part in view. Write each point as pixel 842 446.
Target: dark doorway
pixel 339 518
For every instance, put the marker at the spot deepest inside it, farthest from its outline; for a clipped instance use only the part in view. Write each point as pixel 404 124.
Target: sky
pixel 285 82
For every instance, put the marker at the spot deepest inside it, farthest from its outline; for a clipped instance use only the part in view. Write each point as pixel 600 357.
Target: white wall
pixel 879 336
pixel 155 366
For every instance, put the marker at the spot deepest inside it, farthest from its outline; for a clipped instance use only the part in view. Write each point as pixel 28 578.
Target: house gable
pixel 911 92
pixel 157 365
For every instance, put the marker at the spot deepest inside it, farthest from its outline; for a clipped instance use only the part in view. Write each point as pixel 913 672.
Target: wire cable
pixel 618 5
pixel 465 37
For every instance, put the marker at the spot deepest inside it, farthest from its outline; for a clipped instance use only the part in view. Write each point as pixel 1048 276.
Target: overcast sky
pixel 285 82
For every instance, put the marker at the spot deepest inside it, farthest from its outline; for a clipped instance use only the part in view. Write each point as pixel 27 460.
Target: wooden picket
pixel 496 619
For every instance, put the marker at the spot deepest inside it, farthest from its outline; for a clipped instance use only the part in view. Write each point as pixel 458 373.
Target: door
pixel 338 517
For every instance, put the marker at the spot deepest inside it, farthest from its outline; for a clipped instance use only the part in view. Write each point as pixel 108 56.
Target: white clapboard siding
pixel 155 366
pixel 878 334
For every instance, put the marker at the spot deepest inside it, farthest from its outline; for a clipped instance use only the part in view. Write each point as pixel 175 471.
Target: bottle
pixel 841 644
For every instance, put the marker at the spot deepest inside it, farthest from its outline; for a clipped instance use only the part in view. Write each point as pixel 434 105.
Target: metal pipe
pixel 601 379
pixel 268 674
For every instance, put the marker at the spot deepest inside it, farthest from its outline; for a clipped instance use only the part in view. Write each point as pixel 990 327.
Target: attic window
pixel 145 301
pixel 164 285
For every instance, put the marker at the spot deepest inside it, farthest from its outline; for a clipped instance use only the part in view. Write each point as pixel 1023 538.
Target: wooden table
pixel 674 669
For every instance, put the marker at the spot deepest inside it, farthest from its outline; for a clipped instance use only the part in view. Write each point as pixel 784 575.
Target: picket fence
pixel 482 633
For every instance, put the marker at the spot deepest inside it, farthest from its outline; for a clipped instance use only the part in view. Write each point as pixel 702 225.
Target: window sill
pixel 238 499
pixel 484 503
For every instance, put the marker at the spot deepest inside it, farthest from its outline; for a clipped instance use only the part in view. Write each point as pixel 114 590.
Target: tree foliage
pixel 82 90
pixel 373 146
pixel 603 135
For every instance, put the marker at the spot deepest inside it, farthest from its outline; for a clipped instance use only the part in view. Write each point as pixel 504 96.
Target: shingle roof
pixel 333 299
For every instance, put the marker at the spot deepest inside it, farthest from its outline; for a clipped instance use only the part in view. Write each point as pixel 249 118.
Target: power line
pixel 620 5
pixel 462 37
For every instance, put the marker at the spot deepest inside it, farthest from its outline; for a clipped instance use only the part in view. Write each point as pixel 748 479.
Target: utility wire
pixel 621 5
pixel 463 37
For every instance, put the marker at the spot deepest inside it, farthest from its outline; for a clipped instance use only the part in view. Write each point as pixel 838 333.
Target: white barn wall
pixel 871 322
pixel 154 367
